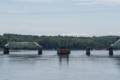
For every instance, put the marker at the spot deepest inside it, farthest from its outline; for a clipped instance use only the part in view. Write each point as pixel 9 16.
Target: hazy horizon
pixel 69 35
pixel 60 17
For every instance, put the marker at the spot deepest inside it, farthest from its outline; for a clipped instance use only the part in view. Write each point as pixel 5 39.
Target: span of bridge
pixel 115 45
pixel 35 45
pixel 22 45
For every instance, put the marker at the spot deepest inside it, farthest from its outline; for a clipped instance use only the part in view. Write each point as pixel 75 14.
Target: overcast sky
pixel 55 17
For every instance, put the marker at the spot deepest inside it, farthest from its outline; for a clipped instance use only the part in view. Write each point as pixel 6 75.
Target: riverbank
pixel 54 42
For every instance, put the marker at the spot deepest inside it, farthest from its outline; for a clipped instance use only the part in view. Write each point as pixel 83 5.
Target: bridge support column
pixel 6 51
pixel 110 51
pixel 88 52
pixel 39 51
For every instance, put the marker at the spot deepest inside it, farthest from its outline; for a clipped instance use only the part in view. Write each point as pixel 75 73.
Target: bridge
pixel 35 45
pixel 115 45
pixel 22 46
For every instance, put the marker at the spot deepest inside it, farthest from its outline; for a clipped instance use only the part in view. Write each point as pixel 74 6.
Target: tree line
pixel 54 42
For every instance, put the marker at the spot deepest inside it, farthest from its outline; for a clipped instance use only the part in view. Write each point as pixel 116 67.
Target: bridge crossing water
pixel 22 45
pixel 36 46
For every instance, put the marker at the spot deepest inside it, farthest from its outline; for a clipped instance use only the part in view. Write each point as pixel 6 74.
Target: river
pixel 27 65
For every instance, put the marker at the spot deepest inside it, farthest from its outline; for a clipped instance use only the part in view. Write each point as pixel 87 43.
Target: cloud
pixel 34 0
pixel 108 1
pixel 83 2
pixel 76 2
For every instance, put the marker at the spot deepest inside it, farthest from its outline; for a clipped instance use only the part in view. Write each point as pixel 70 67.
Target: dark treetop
pixel 54 42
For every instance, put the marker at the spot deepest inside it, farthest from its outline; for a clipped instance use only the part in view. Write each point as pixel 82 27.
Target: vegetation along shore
pixel 54 42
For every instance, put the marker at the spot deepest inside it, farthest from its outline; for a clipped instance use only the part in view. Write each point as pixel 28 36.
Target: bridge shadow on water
pixel 63 59
pixel 33 58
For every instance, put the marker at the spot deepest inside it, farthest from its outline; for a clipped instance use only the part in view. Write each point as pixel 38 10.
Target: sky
pixel 60 17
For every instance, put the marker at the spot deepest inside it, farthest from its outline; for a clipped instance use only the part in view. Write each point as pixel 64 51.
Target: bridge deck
pixel 22 45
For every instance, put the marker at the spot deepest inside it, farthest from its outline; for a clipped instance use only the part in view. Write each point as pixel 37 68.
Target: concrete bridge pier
pixel 110 51
pixel 40 51
pixel 88 51
pixel 6 51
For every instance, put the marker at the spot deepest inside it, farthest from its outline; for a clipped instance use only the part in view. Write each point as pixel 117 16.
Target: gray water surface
pixel 27 65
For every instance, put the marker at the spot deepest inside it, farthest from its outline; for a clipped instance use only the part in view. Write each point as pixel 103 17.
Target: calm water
pixel 27 65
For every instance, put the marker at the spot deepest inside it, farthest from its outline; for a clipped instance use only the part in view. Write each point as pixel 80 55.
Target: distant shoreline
pixel 54 42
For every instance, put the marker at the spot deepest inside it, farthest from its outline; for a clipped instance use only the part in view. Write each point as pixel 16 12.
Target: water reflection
pixel 63 58
pixel 28 65
pixel 117 60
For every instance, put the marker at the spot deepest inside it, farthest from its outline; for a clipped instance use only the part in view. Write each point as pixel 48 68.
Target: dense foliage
pixel 53 42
